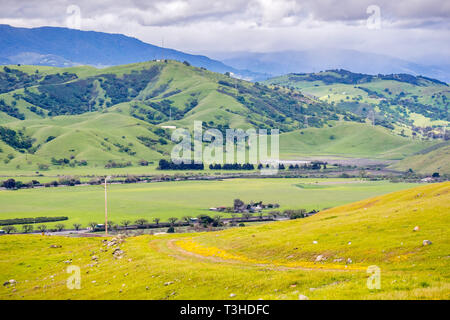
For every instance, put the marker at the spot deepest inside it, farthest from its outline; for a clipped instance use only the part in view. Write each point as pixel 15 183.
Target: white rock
pixel 315 242
pixel 232 295
pixel 426 242
pixel 416 228
pixel 302 297
pixel 320 258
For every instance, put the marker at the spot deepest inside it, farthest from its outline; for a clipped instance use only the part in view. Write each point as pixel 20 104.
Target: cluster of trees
pixel 56 94
pixel 332 76
pixel 232 166
pixel 69 98
pixel 58 78
pixel 203 220
pixel 66 180
pixel 65 161
pixel 11 110
pixel 15 139
pixel 113 164
pixel 27 228
pixel 279 107
pixel 314 165
pixel 432 132
pixel 151 143
pixel 31 220
pixel 170 165
pixel 127 87
pixel 12 79
pixel 13 184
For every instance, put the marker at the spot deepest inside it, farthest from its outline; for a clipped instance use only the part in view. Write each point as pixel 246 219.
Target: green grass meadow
pixel 84 204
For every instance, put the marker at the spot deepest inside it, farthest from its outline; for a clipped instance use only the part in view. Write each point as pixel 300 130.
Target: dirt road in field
pixel 171 248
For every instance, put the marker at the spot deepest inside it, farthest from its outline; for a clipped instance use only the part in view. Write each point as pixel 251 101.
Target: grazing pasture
pixel 84 204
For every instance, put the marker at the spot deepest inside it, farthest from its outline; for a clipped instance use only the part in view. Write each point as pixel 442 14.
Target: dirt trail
pixel 180 253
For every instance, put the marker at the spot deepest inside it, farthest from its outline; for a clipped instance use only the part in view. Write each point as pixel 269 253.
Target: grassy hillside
pixel 322 257
pixel 400 102
pixel 159 91
pixel 73 119
pixel 428 161
pixel 115 114
pixel 349 140
pixel 114 136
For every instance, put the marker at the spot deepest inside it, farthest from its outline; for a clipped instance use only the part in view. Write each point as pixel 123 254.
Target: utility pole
pixel 106 206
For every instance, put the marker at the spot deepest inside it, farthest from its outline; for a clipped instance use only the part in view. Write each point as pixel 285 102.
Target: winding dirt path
pixel 180 253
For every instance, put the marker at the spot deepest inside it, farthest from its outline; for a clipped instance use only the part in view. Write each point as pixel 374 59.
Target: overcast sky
pixel 410 29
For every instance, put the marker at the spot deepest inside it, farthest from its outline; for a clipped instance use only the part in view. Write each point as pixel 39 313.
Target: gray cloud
pixel 409 28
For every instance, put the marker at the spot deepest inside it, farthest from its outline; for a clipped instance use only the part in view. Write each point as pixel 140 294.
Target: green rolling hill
pixel 53 118
pixel 401 102
pixel 349 139
pixel 428 161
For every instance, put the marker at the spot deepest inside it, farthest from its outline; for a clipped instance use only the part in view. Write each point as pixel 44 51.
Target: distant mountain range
pixel 284 62
pixel 62 47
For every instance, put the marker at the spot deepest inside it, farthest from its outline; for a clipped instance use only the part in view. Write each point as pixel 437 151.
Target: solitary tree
pixel 172 221
pixel 246 215
pixel 77 226
pixel 9 229
pixel 125 223
pixel 238 203
pixel 27 228
pixel 186 219
pixel 217 221
pixel 59 227
pixel 141 222
pixel 42 228
pixel 274 214
pixel 156 220
pixel 92 225
pixel 111 224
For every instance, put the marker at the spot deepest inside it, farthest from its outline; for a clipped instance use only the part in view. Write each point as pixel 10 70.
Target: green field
pixel 272 261
pixel 85 204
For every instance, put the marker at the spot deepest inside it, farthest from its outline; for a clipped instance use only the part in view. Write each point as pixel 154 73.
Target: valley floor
pixel 325 256
pixel 85 204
